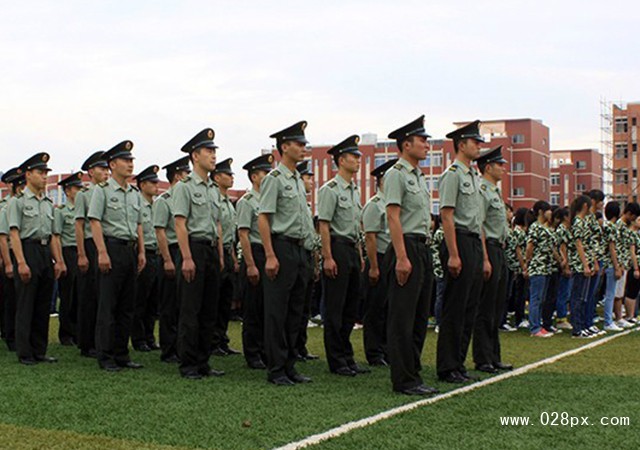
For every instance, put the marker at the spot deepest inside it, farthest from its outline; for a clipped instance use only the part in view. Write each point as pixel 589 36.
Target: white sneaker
pixel 506 327
pixel 624 324
pixel 437 329
pixel 358 326
pixel 311 324
pixel 524 324
pixel 564 325
pixel 597 331
pixel 633 321
pixel 612 327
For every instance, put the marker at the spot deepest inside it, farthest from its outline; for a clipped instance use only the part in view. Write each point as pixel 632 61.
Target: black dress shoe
pixel 486 368
pixel 153 346
pixel 417 390
pixel 282 381
pixel 345 372
pixel 28 361
pixel 468 377
pixel 429 389
pixel 297 378
pixel 92 353
pixel 11 346
pixel 130 365
pixel 173 359
pixel 231 351
pixel 192 375
pixel 452 377
pixel 359 369
pixel 142 348
pixel 502 366
pixel 46 359
pixel 300 358
pixel 379 363
pixel 258 365
pixel 111 368
pixel 213 373
pixel 218 352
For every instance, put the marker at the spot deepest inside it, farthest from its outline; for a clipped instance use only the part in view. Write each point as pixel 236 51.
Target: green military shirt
pixel 543 239
pixel 64 224
pixel 83 198
pixel 195 200
pixel 283 197
pixel 579 231
pixel 339 204
pixel 436 240
pixel 162 210
pixel 312 241
pixel 4 224
pixel 495 213
pixel 247 214
pixel 118 209
pixel 150 241
pixel 374 220
pixel 227 218
pixel 405 186
pixel 459 190
pixel 32 216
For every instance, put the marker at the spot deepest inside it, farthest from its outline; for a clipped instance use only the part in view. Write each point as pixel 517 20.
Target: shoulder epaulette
pixel 135 188
pixel 375 199
pixel 60 206
pixel 248 196
pixel 483 187
pixel 398 166
pixel 166 194
pixel 332 183
pixel 452 168
pixel 103 184
pixel 19 195
pixel 187 178
pixel 84 189
pixel 275 173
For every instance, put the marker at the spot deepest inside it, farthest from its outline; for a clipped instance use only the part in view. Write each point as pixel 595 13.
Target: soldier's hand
pixel 253 274
pixel 104 262
pixel 83 263
pixel 618 273
pixel 454 265
pixel 59 270
pixel 188 270
pixel 8 271
pixel 24 272
pixel 272 267
pixel 330 268
pixel 403 270
pixel 374 275
pixel 142 262
pixel 221 263
pixel 169 269
pixel 486 269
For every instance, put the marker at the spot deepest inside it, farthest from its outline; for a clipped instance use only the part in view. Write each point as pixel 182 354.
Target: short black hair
pixel 632 208
pixel 540 205
pixel 560 214
pixel 578 203
pixel 612 210
pixel 596 194
pixel 520 216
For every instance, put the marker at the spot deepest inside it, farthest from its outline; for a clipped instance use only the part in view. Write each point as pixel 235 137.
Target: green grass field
pixel 73 405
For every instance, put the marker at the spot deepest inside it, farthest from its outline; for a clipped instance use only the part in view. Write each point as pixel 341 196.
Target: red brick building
pixel 625 151
pixel 574 172
pixel 525 145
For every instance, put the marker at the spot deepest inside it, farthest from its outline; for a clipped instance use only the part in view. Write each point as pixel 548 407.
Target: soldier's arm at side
pixel 371 245
pixel 327 201
pixel 142 257
pixel 16 246
pixel 95 214
pixel 83 262
pixel 60 268
pixel 4 249
pixel 268 205
pixel 220 245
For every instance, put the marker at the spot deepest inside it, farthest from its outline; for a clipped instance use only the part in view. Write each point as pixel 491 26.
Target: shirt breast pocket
pixel 467 194
pixel 134 213
pixel 287 201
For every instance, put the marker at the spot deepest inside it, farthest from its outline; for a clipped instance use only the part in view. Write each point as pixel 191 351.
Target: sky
pixel 80 76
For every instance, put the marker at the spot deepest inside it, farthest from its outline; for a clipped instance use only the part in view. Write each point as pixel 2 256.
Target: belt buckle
pixel 44 242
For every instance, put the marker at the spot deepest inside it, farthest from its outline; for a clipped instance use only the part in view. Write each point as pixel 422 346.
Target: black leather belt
pixel 343 240
pixel 285 238
pixel 421 238
pixel 494 242
pixel 41 242
pixel 151 251
pixel 122 242
pixel 207 242
pixel 173 247
pixel 464 232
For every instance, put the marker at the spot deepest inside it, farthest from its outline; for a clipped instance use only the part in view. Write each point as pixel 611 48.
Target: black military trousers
pixel 375 315
pixel 341 305
pixel 225 299
pixel 486 338
pixel 33 300
pixel 116 300
pixel 68 293
pixel 301 344
pixel 169 308
pixel 253 309
pixel 283 305
pixel 198 307
pixel 460 299
pixel 88 299
pixel 9 307
pixel 408 313
pixel 146 304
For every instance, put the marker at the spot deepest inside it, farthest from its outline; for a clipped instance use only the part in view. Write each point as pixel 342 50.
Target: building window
pixel 432 160
pixel 555 199
pixel 555 179
pixel 622 177
pixel 634 147
pixel 581 187
pixel 518 192
pixel 435 207
pixel 380 160
pixel 621 125
pixel 622 150
pixel 634 121
pixel 517 139
pixel 581 164
pixel 518 167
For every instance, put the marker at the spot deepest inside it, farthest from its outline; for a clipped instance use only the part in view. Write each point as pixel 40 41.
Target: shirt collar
pixel 199 179
pixel 114 184
pixel 380 194
pixel 344 184
pixel 462 166
pixel 285 170
pixel 407 165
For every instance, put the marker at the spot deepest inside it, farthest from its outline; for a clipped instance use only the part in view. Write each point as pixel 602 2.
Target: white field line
pixel 367 421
